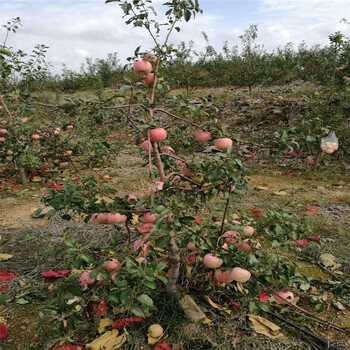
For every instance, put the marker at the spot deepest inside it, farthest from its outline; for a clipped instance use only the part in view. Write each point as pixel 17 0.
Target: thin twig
pixel 224 216
pixel 322 320
pixel 5 106
pixel 176 116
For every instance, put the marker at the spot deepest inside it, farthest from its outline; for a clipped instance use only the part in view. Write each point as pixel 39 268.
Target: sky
pixel 76 29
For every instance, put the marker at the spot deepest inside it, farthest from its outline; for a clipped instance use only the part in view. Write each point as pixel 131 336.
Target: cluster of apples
pixel 103 218
pixel 329 147
pixel 144 67
pixel 222 144
pixel 238 274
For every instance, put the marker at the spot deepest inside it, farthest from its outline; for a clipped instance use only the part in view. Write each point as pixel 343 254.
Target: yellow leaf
pixel 107 341
pixel 36 179
pixel 4 257
pixel 134 219
pixel 152 340
pixel 240 287
pixel 216 306
pixel 104 323
pixel 234 216
pixel 2 320
pixel 188 270
pixel 206 320
pixel 263 326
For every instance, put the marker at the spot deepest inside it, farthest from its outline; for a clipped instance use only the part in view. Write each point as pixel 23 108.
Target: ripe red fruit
pixel 158 134
pixel 248 231
pixel 35 137
pixel 231 237
pixel 203 136
pixel 240 275
pixel 244 246
pixel 63 164
pixel 3 131
pixel 145 145
pixel 212 261
pixel 153 190
pixel 85 279
pixel 167 150
pixel 2 139
pixel 223 143
pixel 223 276
pixel 149 78
pixel 150 58
pixel 149 218
pixel 101 218
pixel 130 198
pixel 115 218
pixel 111 265
pixel 286 295
pixel 142 67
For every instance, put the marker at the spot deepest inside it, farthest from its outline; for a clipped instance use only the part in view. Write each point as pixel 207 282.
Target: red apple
pixel 101 218
pixel 223 276
pixel 240 275
pixel 35 137
pixel 142 67
pixel 212 261
pixel 145 146
pixel 203 136
pixel 150 58
pixel 248 231
pixel 158 134
pixel 149 78
pixel 286 295
pixel 149 218
pixel 223 143
pixel 3 131
pixel 231 237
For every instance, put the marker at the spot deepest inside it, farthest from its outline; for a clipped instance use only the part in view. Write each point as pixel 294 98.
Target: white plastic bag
pixel 329 144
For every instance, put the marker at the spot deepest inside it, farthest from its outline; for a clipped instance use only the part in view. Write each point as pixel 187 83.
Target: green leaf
pixel 125 296
pixel 187 220
pixel 145 299
pixel 149 284
pixel 22 301
pixel 87 258
pixel 319 308
pixel 161 265
pixel 26 238
pixel 137 311
pixel 162 241
pixel 253 308
pixel 162 278
pixel 305 286
pixel 187 15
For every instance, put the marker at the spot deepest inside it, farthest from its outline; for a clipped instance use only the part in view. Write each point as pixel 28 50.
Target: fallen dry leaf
pixel 7 276
pixel 263 326
pixel 104 323
pixel 328 260
pixel 134 219
pixel 191 309
pixel 4 257
pixel 107 341
pixel 216 306
pixel 3 328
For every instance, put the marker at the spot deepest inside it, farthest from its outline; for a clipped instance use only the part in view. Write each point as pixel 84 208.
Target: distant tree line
pixel 244 65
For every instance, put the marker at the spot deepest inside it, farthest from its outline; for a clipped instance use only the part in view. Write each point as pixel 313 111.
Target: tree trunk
pixel 174 259
pixel 22 173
